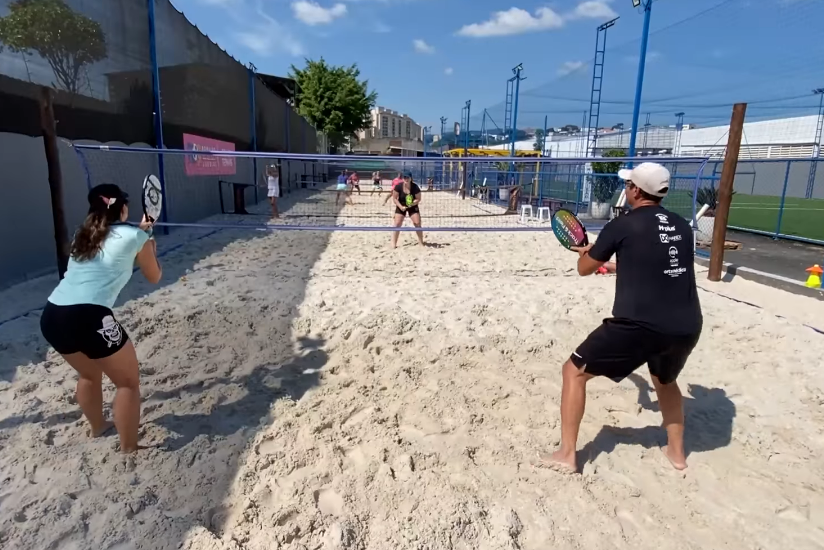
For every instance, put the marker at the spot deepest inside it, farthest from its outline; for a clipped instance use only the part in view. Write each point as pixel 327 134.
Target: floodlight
pixel 636 3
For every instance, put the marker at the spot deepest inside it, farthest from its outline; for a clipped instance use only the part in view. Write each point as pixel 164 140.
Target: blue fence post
pixel 253 123
pixel 157 106
pixel 783 196
pixel 288 118
pixel 579 192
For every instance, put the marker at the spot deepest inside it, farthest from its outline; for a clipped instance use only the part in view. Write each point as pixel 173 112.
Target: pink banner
pixel 208 165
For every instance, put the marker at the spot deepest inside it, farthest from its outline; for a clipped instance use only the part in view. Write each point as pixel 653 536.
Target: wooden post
pixel 48 127
pixel 722 209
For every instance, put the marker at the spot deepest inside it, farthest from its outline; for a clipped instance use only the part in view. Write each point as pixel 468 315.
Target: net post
pixel 722 212
pixel 783 196
pixel 253 124
pixel 287 125
pixel 157 106
pixel 48 127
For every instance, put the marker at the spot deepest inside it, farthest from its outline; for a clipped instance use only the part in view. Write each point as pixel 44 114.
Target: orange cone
pixel 814 280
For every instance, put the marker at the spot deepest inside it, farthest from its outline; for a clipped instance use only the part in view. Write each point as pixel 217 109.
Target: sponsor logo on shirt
pixel 673 254
pixel 666 228
pixel 675 272
pixel 662 218
pixel 666 239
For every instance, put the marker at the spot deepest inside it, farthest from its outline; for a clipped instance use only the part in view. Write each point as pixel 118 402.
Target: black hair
pixel 106 204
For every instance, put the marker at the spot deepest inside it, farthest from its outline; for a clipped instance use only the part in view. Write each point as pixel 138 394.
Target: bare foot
pixel 103 430
pixel 677 460
pixel 557 462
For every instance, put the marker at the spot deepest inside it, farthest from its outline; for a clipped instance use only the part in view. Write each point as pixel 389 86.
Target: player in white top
pixel 273 184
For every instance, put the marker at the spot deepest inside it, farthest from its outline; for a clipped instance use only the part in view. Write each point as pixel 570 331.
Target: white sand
pixel 316 391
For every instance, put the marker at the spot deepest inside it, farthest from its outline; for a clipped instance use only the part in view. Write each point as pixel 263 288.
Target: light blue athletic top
pixel 99 281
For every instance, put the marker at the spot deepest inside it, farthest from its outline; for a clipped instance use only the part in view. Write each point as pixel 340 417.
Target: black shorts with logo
pixel 618 347
pixel 82 328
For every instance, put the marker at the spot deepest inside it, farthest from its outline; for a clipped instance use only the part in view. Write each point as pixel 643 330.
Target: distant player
pixel 342 189
pixel 354 181
pixel 398 179
pixel 407 196
pixel 273 187
pixel 376 183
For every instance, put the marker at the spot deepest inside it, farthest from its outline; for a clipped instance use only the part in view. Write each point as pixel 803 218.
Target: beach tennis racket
pixel 152 198
pixel 568 229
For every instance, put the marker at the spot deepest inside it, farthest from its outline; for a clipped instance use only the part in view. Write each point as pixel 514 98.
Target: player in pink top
pixel 398 179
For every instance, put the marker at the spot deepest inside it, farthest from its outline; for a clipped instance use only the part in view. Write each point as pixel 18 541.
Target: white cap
pixel 648 176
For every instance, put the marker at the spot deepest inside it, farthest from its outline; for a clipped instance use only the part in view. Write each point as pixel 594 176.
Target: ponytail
pixel 88 240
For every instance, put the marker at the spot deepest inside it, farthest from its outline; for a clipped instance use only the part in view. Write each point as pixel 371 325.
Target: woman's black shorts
pixel 618 347
pixel 411 210
pixel 82 328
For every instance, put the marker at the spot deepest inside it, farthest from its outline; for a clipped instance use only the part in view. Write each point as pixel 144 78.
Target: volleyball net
pixel 326 192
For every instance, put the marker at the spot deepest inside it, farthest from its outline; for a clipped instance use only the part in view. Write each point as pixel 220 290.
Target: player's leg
pixel 664 369
pixel 122 369
pixel 416 221
pixel 65 328
pixel 89 391
pixel 398 221
pixel 613 350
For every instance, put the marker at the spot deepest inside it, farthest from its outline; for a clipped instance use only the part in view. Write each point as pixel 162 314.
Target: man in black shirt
pixel 656 316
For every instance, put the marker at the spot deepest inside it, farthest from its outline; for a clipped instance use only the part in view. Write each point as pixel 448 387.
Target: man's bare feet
pixel 678 461
pixel 557 461
pixel 103 430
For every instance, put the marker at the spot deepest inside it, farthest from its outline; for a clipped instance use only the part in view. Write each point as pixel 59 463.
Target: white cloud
pixel 266 36
pixel 571 67
pixel 448 71
pixel 422 47
pixel 651 56
pixel 593 9
pixel 519 21
pixel 313 13
pixel 514 21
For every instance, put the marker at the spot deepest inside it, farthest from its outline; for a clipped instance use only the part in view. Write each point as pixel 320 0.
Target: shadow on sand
pixel 207 424
pixel 708 420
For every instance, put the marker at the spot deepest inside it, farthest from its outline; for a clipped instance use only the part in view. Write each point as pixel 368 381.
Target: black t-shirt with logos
pixel 655 284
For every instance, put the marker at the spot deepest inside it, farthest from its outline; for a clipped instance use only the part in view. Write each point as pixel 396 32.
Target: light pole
pixel 517 82
pixel 642 60
pixel 443 129
pixel 426 130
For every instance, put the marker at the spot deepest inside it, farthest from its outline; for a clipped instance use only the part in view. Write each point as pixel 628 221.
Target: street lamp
pixel 642 60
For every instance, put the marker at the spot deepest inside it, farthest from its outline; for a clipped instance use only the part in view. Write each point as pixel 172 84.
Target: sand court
pixel 310 390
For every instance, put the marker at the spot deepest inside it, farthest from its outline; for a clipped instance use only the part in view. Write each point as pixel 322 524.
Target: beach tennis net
pixel 474 193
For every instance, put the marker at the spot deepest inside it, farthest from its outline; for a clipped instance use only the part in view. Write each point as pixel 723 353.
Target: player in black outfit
pixel 407 196
pixel 656 316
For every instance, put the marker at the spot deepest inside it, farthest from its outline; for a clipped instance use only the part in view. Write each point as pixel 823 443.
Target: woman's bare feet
pixel 102 430
pixel 678 460
pixel 558 462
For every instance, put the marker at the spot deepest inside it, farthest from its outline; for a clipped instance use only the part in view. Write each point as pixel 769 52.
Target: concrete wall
pixel 27 248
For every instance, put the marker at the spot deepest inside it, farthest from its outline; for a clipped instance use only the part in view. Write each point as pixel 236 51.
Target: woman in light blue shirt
pixel 78 320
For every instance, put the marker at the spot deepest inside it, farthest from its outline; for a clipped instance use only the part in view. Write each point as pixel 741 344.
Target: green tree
pixel 333 99
pixel 540 140
pixel 603 187
pixel 67 40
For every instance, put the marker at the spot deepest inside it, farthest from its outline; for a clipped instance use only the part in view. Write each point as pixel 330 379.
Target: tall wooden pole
pixel 722 209
pixel 48 127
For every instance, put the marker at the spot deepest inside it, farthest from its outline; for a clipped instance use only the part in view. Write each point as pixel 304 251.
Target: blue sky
pixel 427 57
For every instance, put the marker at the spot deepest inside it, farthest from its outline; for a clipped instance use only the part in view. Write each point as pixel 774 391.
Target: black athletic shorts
pixel 85 328
pixel 411 210
pixel 618 347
